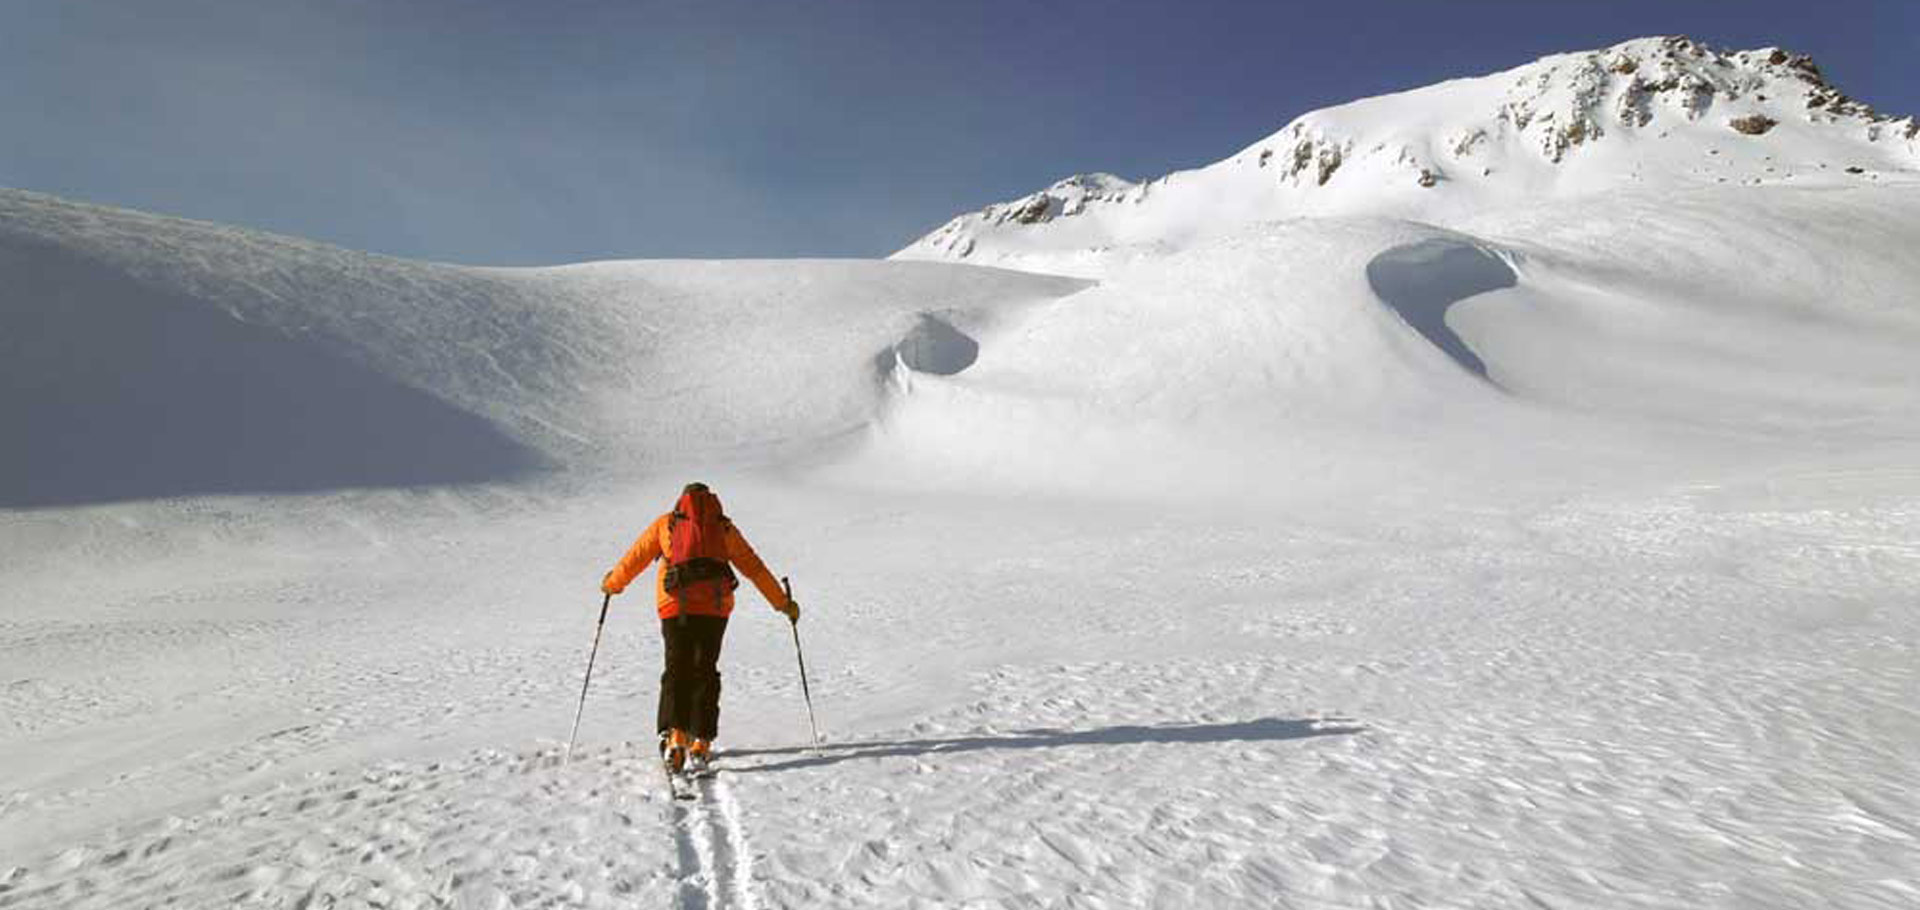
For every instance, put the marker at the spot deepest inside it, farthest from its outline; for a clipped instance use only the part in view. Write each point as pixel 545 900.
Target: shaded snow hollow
pixel 1421 281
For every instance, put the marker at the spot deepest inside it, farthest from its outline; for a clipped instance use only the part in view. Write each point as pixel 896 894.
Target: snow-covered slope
pixel 1661 112
pixel 1324 354
pixel 1540 538
pixel 155 356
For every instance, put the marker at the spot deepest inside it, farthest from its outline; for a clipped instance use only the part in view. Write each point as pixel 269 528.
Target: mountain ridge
pixel 1664 110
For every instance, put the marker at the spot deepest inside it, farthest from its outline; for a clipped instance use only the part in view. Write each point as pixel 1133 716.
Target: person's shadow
pixel 1267 729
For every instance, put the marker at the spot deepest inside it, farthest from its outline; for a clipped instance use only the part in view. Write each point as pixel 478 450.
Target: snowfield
pixel 1549 541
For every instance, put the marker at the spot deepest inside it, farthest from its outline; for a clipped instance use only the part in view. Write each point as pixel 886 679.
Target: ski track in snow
pixel 489 829
pixel 716 864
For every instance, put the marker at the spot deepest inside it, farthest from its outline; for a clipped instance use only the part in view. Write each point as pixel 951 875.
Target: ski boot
pixel 700 756
pixel 673 750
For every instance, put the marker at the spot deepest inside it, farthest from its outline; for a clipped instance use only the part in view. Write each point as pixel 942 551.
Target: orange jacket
pixel 653 542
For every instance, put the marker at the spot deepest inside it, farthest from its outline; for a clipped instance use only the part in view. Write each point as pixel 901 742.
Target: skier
pixel 700 548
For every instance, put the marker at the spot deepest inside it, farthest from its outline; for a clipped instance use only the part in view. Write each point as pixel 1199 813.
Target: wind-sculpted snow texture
pixel 1311 356
pixel 116 389
pixel 1540 537
pixel 1421 281
pixel 154 357
pixel 1700 696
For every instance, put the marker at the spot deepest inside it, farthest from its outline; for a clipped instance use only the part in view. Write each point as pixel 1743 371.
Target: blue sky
pixel 520 132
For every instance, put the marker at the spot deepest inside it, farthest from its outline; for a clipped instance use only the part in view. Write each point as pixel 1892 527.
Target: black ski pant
pixel 690 686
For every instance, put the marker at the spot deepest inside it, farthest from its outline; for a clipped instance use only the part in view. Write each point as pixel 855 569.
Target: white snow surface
pixel 1553 552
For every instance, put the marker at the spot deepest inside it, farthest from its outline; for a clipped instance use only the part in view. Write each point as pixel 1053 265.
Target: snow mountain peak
pixel 1660 111
pixel 1066 197
pixel 1563 102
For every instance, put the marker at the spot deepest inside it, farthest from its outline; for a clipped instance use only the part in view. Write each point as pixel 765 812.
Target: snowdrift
pixel 1340 354
pixel 117 389
pixel 1785 311
pixel 150 357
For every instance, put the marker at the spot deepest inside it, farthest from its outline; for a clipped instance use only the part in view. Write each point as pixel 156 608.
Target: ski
pixel 679 784
pixel 700 769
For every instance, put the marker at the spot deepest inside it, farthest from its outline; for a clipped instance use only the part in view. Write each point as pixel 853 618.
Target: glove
pixel 606 584
pixel 792 610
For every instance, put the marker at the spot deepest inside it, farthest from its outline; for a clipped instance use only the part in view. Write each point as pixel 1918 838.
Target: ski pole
pixel 794 624
pixel 602 624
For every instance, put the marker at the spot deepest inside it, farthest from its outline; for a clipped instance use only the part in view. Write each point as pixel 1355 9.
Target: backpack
pixel 697 570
